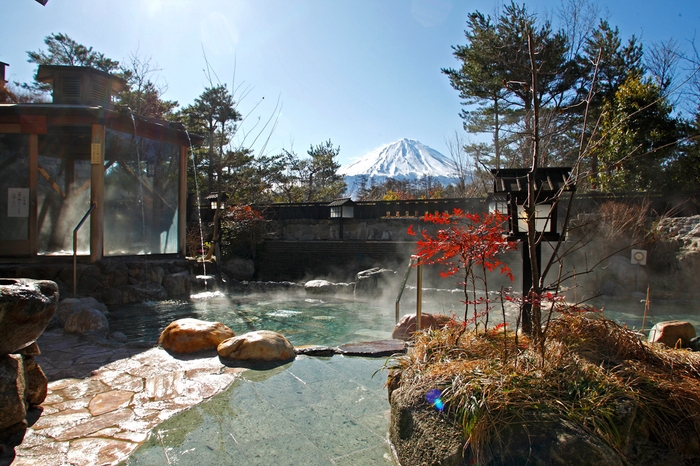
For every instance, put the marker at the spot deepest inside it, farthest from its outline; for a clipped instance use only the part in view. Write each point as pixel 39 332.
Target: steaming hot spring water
pixel 303 321
pixel 314 410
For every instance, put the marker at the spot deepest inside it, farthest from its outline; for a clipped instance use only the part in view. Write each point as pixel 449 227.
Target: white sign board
pixel 18 202
pixel 639 256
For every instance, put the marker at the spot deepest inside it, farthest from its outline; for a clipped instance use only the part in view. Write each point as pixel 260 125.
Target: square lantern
pixel 342 208
pixel 498 203
pixel 512 184
pixel 213 200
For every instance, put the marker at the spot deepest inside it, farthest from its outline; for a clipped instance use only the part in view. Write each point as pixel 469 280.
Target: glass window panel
pixel 63 190
pixel 542 221
pixel 141 195
pixel 14 187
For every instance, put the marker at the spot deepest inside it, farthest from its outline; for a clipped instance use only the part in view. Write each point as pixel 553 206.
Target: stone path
pixel 103 400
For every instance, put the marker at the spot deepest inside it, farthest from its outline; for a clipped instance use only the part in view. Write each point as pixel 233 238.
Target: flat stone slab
pixel 313 350
pixel 373 348
pixel 103 401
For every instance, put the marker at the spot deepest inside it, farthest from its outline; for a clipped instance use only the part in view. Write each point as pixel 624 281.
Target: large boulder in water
pixel 324 287
pixel 239 269
pixel 319 287
pixel 372 282
pixel 26 308
pixel 177 284
pixel 87 321
pixel 192 335
pixel 407 325
pixel 70 306
pixel 671 332
pixel 262 345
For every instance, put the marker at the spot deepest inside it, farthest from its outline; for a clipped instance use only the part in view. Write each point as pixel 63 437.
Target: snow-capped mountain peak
pixel 403 159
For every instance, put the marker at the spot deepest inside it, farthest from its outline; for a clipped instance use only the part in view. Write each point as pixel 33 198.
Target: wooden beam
pixel 66 120
pixel 97 192
pixel 51 181
pixel 33 124
pixel 83 187
pixel 10 128
pixel 144 183
pixel 33 182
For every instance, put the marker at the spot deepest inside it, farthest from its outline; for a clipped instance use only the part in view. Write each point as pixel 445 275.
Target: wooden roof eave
pixel 65 114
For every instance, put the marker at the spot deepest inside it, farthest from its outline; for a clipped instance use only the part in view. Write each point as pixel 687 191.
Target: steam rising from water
pixel 205 295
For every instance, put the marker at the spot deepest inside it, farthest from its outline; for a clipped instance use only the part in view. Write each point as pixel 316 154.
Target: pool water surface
pixel 313 411
pixel 303 321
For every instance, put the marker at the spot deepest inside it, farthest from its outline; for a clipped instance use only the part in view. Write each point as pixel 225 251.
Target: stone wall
pixel 303 250
pixel 26 308
pixel 381 229
pixel 333 260
pixel 114 281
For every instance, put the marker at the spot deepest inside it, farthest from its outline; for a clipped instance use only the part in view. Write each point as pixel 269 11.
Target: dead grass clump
pixel 594 373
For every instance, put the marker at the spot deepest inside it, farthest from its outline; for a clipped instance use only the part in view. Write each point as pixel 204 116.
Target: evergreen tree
pixel 495 75
pixel 141 94
pixel 611 62
pixel 638 141
pixel 362 187
pixel 62 50
pixel 214 114
pixel 321 173
pixel 606 64
pixel 683 170
pixel 480 80
pixel 312 179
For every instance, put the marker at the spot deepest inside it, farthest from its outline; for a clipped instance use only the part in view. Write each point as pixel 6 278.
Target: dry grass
pixel 595 373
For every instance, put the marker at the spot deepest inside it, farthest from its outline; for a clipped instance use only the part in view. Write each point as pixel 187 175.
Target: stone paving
pixel 103 399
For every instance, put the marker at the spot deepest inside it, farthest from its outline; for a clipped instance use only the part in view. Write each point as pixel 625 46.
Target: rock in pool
pixel 262 345
pixel 407 324
pixel 192 335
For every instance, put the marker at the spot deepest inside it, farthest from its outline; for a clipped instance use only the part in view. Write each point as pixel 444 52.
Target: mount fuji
pixel 405 159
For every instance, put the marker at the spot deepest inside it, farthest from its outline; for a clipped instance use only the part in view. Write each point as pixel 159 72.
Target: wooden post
pixel 182 205
pixel 419 294
pixel 97 192
pixel 33 181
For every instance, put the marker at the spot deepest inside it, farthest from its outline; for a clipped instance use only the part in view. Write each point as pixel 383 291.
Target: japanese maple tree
pixel 464 244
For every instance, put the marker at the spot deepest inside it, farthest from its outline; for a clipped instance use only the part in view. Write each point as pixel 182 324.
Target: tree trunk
pixel 530 205
pixel 496 135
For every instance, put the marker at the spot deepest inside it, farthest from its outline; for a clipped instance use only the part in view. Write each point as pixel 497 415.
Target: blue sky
pixel 362 73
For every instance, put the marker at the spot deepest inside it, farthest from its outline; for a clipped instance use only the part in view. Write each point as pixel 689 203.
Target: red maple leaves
pixel 466 240
pixel 244 213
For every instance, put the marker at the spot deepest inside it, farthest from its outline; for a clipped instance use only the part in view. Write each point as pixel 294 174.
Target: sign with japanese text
pixel 18 202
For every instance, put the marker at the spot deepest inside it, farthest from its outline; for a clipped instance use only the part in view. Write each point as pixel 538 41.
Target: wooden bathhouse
pixel 80 152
